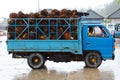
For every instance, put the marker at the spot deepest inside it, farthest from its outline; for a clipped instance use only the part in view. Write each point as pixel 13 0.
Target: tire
pixel 93 60
pixel 36 60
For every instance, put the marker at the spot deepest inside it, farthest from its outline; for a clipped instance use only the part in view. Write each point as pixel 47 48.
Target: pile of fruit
pixel 64 13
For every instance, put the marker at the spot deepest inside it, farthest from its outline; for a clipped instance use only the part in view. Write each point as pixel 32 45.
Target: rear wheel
pixel 36 60
pixel 93 60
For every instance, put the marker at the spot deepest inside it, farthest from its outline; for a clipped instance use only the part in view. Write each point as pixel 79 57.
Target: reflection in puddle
pixel 82 74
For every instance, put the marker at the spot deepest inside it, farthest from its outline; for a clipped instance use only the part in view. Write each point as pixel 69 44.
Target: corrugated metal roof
pixel 115 15
pixel 94 15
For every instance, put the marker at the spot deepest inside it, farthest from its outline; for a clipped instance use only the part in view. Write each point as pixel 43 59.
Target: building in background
pixel 114 17
pixel 94 15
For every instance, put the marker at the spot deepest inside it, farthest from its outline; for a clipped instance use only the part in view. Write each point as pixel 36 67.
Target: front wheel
pixel 93 60
pixel 36 60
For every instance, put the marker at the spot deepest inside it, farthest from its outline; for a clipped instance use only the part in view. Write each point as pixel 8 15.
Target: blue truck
pixel 64 41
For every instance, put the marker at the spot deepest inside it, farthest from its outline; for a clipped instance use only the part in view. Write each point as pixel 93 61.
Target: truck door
pixel 97 40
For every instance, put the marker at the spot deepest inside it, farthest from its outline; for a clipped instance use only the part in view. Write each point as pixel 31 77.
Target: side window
pixel 91 31
pixel 96 31
pixel 119 28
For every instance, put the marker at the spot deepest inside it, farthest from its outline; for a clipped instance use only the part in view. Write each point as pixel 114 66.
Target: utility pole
pixel 38 6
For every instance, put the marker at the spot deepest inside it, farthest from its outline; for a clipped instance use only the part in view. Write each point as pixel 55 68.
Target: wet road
pixel 82 74
pixel 17 69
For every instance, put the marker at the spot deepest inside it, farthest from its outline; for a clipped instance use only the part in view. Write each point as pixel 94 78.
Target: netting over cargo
pixel 43 28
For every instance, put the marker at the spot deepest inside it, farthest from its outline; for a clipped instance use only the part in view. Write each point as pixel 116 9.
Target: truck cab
pixel 101 41
pixel 100 46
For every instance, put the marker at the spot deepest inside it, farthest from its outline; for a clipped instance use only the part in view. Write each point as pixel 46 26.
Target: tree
pixel 118 1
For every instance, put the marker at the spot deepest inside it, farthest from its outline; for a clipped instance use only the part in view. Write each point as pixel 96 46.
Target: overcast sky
pixel 8 6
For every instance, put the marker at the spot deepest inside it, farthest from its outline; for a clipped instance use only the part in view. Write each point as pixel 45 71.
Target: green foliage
pixel 118 1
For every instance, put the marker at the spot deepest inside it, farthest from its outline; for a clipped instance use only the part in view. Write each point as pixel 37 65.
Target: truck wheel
pixel 93 60
pixel 35 60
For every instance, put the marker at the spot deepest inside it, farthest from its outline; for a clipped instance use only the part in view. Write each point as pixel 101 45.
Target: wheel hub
pixel 36 60
pixel 93 60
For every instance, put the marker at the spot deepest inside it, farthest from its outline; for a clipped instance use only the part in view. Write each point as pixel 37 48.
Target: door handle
pixel 88 43
pixel 66 47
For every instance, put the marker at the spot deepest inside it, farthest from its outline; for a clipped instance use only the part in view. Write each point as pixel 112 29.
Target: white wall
pixel 115 21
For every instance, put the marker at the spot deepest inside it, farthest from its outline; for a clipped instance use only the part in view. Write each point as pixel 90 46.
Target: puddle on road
pixel 83 74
